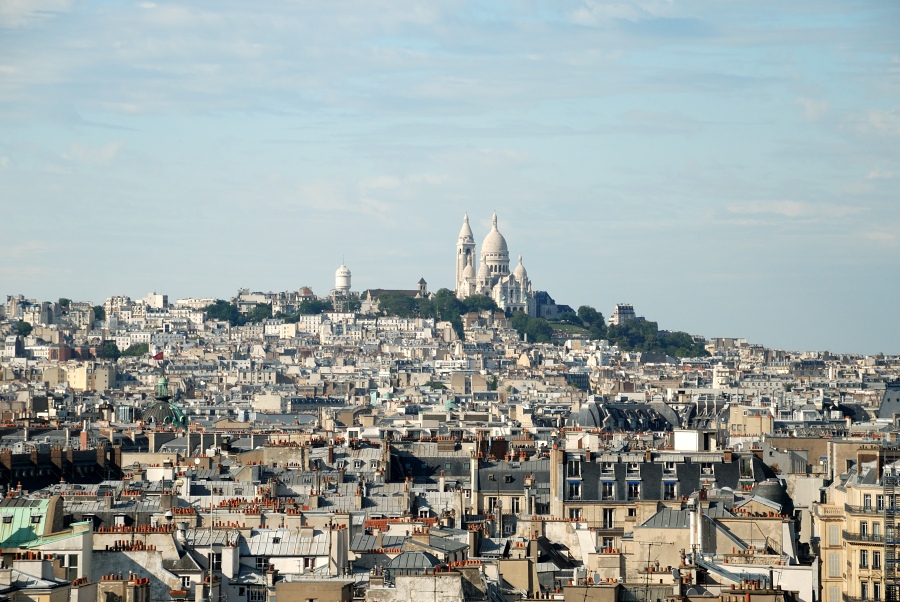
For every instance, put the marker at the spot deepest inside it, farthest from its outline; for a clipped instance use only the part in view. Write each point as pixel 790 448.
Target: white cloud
pixel 4 162
pixel 881 121
pixel 880 174
pixel 20 13
pixel 813 110
pixel 800 210
pixel 93 156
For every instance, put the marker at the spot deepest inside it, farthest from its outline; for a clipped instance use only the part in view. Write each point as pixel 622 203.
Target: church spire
pixel 494 220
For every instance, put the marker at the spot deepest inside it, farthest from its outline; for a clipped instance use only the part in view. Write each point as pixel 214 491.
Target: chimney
pixel 442 483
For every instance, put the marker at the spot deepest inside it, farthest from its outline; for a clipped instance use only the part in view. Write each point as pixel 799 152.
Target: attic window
pixel 7 518
pixel 507 479
pixel 276 540
pixel 491 477
pixel 35 518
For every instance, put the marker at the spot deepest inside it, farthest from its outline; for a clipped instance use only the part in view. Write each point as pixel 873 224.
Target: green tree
pixel 137 350
pixel 223 311
pixel 64 303
pixel 397 304
pixel 110 350
pixel 259 313
pixel 479 303
pixel 590 316
pixel 99 313
pixel 569 318
pixel 314 306
pixel 538 330
pixel 23 329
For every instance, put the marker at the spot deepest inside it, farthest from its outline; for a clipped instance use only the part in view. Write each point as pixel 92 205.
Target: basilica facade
pixel 509 290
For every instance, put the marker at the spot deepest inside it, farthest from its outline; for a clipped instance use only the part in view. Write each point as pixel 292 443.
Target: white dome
pixel 494 243
pixel 342 272
pixel 483 272
pixel 468 271
pixel 520 272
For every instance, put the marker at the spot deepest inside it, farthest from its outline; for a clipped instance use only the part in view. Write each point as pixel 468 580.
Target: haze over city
pixel 730 169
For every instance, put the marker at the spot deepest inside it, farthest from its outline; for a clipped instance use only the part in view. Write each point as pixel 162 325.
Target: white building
pixel 508 290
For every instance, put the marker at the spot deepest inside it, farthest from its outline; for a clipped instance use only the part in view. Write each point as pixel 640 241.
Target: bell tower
pixel 465 252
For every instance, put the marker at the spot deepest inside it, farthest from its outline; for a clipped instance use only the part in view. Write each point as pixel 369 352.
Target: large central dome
pixel 494 243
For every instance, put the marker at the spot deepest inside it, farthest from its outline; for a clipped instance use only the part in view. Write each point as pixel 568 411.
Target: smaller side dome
pixel 520 272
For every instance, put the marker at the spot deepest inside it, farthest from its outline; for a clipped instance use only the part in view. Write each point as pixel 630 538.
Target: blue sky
pixel 730 168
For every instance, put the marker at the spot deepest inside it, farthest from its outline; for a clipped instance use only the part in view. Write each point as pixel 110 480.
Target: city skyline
pixel 728 169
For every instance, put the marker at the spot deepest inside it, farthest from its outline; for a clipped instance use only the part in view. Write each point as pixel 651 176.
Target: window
pixel 574 468
pixel 35 518
pixel 876 562
pixel 863 559
pixel 834 565
pixel 492 503
pixel 574 491
pixel 7 518
pixel 262 563
pixel 876 529
pixel 186 583
pixel 215 561
pixel 864 590
pixel 608 491
pixel 607 543
pixel 508 478
pixel 632 512
pixel 864 528
pixel 606 467
pixel 634 491
pixel 609 516
pixel 491 477
pixel 876 591
pixel 575 513
pixel 834 535
pixel 70 563
pixel 879 504
pixel 514 508
pixel 834 594
pixel 256 593
pixel 867 501
pixel 669 467
pixel 668 491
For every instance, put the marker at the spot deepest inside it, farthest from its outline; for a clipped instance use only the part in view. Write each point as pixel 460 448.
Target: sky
pixel 729 168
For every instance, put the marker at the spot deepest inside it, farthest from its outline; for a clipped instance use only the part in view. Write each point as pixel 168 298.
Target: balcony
pixel 846 598
pixel 610 528
pixel 862 537
pixel 867 510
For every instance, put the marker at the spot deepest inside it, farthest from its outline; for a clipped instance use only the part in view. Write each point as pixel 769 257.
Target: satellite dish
pixel 676 574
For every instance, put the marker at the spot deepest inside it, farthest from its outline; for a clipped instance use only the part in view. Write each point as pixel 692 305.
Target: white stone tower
pixel 342 280
pixel 465 255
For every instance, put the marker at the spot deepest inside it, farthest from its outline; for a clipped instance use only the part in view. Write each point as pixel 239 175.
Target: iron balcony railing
pixel 862 537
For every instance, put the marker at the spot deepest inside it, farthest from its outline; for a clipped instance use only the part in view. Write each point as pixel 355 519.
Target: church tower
pixel 465 256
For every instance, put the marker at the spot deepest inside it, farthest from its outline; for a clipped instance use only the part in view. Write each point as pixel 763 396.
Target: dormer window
pixel 7 519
